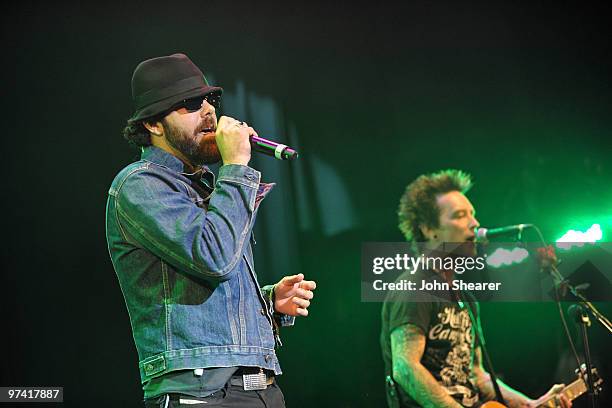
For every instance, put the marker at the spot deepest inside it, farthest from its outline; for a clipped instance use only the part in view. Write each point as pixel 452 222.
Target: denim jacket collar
pixel 159 156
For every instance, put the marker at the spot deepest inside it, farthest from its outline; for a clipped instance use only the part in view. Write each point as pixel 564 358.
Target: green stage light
pixel 574 238
pixel 504 257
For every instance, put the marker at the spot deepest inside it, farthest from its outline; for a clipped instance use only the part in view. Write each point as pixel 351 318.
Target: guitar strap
pixel 480 337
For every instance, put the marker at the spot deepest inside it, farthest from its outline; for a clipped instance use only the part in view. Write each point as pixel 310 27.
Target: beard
pixel 198 149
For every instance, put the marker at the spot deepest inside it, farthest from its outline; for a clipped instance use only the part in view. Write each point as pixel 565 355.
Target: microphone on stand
pixel 484 234
pixel 577 313
pixel 270 148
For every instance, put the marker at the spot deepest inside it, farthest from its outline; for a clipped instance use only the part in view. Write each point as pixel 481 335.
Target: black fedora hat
pixel 158 84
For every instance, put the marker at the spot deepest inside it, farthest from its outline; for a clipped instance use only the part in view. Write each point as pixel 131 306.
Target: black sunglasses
pixel 195 104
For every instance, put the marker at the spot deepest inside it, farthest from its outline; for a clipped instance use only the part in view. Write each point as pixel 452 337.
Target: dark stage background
pixel 372 95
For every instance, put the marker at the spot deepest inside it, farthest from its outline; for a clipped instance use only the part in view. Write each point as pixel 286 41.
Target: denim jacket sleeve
pixel 157 211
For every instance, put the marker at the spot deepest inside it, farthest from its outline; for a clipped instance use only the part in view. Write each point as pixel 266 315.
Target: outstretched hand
pixel 292 295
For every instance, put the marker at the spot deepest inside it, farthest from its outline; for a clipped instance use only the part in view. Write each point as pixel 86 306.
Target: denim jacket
pixel 183 258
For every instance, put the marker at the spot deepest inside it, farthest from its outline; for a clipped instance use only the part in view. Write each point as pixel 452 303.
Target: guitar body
pixel 492 404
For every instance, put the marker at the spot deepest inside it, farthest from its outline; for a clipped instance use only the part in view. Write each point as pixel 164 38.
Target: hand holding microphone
pixel 232 138
pixel 236 140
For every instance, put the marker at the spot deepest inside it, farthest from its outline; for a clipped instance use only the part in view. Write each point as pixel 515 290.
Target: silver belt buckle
pixel 254 381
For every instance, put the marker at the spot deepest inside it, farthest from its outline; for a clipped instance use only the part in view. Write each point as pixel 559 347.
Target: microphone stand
pixel 561 282
pixel 548 263
pixel 583 319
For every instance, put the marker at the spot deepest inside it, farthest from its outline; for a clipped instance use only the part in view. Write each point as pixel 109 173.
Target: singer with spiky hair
pixel 431 348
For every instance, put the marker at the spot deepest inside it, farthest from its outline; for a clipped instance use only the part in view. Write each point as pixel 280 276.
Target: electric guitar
pixel 571 392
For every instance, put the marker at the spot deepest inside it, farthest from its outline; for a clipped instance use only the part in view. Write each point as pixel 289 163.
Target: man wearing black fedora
pixel 180 242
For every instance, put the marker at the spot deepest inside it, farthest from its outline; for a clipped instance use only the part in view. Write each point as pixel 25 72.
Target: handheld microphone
pixel 270 148
pixel 484 234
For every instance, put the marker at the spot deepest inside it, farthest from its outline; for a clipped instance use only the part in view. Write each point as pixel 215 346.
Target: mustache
pixel 207 126
pixel 208 123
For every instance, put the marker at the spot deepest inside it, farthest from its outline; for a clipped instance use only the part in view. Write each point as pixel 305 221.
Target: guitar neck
pixel 572 391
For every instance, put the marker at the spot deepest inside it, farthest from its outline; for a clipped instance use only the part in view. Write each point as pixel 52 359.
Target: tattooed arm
pixel 407 347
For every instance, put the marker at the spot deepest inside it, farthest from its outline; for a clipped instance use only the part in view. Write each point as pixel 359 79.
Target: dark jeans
pixel 229 396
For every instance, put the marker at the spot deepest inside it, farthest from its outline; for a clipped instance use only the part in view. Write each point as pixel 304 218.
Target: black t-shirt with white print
pixel 450 341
